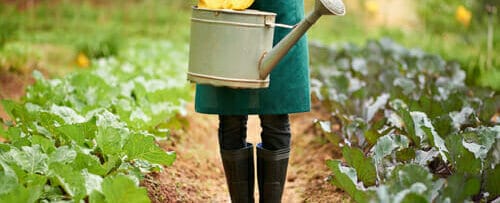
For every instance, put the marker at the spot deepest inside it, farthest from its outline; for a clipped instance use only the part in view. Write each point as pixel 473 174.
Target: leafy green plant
pixel 92 135
pixel 411 130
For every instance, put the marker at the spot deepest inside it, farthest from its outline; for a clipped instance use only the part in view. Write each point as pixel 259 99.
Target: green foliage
pixel 8 31
pixel 364 166
pixel 426 136
pixel 102 44
pixel 447 10
pixel 122 189
pixel 18 57
pixel 92 134
pixel 346 179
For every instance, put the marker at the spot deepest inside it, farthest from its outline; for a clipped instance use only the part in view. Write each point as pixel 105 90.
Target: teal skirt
pixel 288 90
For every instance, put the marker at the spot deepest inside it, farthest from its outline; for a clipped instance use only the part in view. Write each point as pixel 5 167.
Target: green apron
pixel 288 90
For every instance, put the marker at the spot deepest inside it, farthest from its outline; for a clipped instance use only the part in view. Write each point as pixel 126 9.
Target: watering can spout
pixel 323 7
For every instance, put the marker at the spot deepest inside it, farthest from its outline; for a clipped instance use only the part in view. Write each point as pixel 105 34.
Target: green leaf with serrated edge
pixel 424 157
pixel 72 181
pixel 120 188
pixel 131 170
pixel 10 108
pixel 480 140
pixel 406 179
pixel 53 192
pixel 460 187
pixel 13 134
pixel 372 136
pixel 442 125
pixel 144 147
pixel 63 155
pixel 35 184
pixel 46 144
pixel 34 180
pixel 30 159
pixel 387 144
pixel 19 194
pixel 89 162
pixel 487 110
pixel 461 159
pixel 4 148
pixel 406 155
pixel 92 182
pixel 97 197
pixel 110 140
pixel 414 198
pixel 491 180
pixel 404 176
pixel 113 162
pixel 424 129
pixel 79 132
pixel 345 178
pixel 462 117
pixel 67 114
pixel 8 179
pixel 409 125
pixel 365 168
pixel 373 133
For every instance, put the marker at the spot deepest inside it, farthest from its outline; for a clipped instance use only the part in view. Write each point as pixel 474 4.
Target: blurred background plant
pixel 462 30
pixel 8 31
pixel 75 32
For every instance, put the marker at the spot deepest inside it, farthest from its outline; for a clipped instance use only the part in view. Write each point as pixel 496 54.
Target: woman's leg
pixel 272 157
pixel 232 131
pixel 275 131
pixel 237 157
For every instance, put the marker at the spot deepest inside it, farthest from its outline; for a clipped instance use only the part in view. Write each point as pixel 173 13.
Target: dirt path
pixel 197 174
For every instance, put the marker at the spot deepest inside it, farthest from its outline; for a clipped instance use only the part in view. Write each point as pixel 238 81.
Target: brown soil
pixel 197 175
pixel 12 86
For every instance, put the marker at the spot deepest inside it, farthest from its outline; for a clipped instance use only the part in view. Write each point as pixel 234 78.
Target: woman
pixel 288 93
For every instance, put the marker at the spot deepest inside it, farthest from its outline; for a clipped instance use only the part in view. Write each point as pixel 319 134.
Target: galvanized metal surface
pixel 226 47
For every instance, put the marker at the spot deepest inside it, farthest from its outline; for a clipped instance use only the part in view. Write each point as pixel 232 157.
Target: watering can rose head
pixel 225 4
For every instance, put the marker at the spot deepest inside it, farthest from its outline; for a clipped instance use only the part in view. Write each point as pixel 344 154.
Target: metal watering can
pixel 234 48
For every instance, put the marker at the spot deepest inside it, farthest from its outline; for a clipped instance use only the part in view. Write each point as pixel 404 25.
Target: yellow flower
pixel 82 61
pixel 372 7
pixel 463 16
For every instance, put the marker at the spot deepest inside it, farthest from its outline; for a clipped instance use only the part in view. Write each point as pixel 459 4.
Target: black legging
pixel 275 131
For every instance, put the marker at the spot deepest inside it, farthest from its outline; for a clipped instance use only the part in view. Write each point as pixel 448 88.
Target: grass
pixel 58 32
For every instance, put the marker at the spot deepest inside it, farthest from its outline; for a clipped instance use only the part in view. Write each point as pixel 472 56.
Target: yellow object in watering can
pixel 237 4
pixel 225 4
pixel 210 4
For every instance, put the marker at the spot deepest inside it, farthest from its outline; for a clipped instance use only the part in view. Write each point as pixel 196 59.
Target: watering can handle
pixel 284 26
pixel 270 23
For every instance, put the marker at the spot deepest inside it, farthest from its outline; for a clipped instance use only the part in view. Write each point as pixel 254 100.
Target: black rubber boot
pixel 239 169
pixel 271 173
